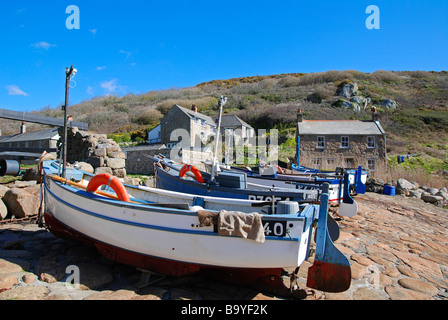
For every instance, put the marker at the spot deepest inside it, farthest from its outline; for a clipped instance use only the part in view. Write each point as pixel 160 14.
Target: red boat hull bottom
pixel 268 280
pixel 329 277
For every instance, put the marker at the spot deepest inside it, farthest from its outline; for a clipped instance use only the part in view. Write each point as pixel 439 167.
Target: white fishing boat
pixel 179 238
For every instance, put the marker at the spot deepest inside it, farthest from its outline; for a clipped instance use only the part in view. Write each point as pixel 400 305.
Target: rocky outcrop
pixel 352 99
pixel 348 90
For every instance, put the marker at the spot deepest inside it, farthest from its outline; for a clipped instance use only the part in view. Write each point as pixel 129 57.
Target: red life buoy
pixel 111 181
pixel 194 170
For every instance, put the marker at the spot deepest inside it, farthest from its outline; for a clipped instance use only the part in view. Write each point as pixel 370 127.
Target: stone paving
pixel 397 246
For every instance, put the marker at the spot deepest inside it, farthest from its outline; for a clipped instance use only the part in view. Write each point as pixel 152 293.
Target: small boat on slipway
pixel 179 239
pixel 357 177
pixel 174 176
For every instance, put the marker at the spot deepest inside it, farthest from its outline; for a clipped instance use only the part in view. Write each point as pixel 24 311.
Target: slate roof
pixel 31 136
pixel 231 121
pixel 193 115
pixel 339 127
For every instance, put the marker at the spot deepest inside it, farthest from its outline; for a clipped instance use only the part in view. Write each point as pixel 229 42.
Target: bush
pixel 386 76
pixel 204 104
pixel 118 138
pixel 322 93
pixel 149 117
pixel 139 135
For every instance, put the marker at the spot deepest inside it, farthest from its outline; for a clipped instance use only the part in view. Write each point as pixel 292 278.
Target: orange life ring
pixel 194 170
pixel 111 181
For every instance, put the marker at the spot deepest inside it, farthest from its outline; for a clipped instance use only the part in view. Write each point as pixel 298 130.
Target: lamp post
pixel 70 73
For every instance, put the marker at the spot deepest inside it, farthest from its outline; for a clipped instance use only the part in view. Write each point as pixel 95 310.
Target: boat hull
pixel 172 182
pixel 268 279
pixel 297 183
pixel 174 235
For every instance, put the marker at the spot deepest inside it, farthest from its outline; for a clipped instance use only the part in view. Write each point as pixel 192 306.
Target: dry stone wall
pixel 103 154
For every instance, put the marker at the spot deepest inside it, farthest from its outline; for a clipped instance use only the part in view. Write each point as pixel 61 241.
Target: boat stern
pixel 331 270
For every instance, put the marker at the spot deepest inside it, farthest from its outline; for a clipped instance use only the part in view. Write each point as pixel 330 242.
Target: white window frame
pixel 345 144
pixel 371 143
pixel 316 162
pixel 371 164
pixel 321 142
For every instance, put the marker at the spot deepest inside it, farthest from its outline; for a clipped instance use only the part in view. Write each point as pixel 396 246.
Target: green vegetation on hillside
pixel 419 125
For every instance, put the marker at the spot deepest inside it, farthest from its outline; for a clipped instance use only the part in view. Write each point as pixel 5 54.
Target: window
pixel 321 142
pixel 350 162
pixel 345 142
pixel 316 162
pixel 371 164
pixel 370 142
pixel 202 122
pixel 331 162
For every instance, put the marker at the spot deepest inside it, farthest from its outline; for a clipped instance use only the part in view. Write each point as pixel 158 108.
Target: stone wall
pixel 103 154
pixel 137 161
pixel 106 156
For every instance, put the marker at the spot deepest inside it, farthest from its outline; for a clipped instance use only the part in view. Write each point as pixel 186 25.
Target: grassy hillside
pixel 418 126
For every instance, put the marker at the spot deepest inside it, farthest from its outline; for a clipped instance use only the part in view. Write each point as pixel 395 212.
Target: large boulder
pixel 31 174
pixel 348 90
pixel 21 203
pixel 84 166
pixel 389 104
pixel 431 198
pixel 442 194
pixel 115 163
pixel 3 190
pixel 351 105
pixel 3 210
pixel 404 187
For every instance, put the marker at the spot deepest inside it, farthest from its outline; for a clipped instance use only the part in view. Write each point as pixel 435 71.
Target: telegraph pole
pixel 69 73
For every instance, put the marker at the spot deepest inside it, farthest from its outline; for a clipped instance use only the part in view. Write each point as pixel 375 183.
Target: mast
pixel 221 104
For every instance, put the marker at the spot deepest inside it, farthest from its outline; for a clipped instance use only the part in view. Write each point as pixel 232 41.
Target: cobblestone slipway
pixel 397 246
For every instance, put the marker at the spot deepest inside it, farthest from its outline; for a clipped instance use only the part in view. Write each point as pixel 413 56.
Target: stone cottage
pixel 179 121
pixel 231 124
pixel 327 144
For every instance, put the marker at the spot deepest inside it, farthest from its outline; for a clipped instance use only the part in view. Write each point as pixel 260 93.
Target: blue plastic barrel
pixel 389 190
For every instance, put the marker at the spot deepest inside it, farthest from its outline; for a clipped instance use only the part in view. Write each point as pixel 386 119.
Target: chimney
pixel 374 114
pixel 194 108
pixel 299 115
pixel 23 128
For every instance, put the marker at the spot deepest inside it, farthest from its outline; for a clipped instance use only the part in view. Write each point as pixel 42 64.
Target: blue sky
pixel 137 46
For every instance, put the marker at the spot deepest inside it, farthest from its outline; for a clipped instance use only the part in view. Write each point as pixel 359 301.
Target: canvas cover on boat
pixel 234 223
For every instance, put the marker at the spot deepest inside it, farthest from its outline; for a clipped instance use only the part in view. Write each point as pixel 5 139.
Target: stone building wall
pixel 174 119
pixel 197 131
pixel 334 155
